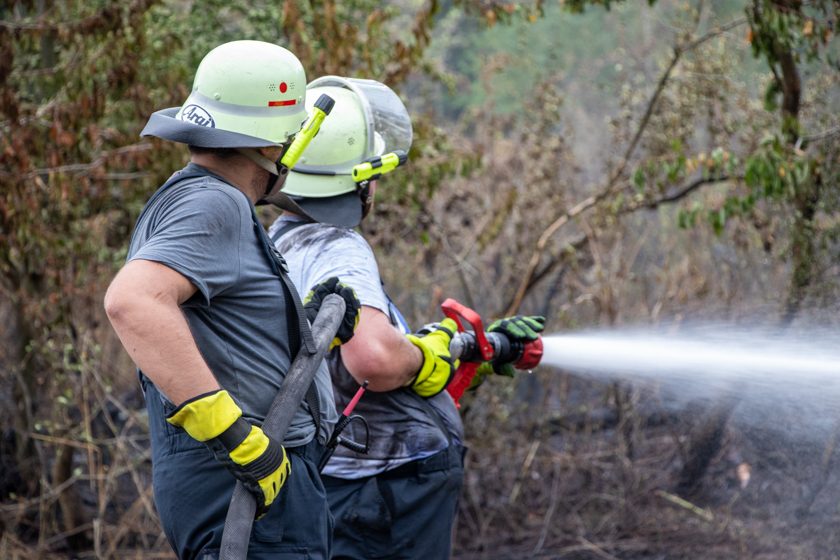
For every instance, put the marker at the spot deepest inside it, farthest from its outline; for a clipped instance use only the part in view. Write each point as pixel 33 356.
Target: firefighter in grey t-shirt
pixel 398 500
pixel 205 311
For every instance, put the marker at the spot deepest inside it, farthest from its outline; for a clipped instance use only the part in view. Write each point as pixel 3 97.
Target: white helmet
pixel 368 120
pixel 246 94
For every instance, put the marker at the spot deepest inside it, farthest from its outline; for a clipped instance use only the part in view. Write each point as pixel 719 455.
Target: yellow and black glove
pixel 313 300
pixel 518 328
pixel 438 367
pixel 256 460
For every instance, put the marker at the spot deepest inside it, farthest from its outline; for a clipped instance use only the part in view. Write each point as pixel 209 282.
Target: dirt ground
pixel 595 484
pixel 590 472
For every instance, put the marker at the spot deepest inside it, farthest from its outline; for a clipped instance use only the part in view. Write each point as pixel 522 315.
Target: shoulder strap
pixel 293 314
pixel 281 269
pixel 311 393
pixel 394 314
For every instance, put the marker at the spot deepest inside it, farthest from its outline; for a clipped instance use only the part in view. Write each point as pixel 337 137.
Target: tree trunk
pixel 24 471
pixel 806 197
pixel 705 443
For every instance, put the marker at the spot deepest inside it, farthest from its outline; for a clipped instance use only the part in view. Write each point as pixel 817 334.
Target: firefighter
pixel 205 310
pixel 398 500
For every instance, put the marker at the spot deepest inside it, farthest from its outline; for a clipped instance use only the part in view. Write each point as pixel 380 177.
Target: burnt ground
pixel 602 477
pixel 563 468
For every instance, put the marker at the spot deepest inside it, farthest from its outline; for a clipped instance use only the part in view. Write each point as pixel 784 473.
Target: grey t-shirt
pixel 204 229
pixel 403 426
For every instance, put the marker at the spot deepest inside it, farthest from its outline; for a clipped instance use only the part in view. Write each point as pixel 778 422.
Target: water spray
pixel 793 375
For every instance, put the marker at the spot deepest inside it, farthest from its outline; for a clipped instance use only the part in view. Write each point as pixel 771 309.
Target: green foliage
pixel 778 27
pixel 687 218
pixel 497 65
pixel 657 175
pixel 776 171
pixel 70 102
pixel 786 36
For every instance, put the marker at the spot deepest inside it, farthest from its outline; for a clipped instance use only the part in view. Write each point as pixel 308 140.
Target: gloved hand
pixel 256 460
pixel 519 328
pixel 313 300
pixel 438 367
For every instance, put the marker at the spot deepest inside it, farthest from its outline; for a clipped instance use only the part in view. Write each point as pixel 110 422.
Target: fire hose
pixel 471 347
pixel 240 515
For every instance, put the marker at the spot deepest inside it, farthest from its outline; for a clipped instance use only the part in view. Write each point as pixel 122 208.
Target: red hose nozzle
pixel 532 353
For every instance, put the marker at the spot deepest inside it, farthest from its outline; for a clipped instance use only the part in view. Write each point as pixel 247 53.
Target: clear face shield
pixel 389 133
pixel 389 124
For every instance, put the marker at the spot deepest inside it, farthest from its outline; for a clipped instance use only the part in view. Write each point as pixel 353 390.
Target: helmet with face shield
pixel 368 121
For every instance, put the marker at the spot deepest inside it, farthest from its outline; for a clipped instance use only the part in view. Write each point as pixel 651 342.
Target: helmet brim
pixel 163 124
pixel 344 210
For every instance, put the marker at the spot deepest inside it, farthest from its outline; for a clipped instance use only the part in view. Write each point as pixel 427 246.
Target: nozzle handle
pixel 456 311
pixel 466 371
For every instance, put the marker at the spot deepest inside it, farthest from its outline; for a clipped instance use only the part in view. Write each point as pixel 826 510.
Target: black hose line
pixel 240 516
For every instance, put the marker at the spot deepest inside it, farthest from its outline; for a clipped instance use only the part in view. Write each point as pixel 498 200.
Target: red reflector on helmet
pixel 285 103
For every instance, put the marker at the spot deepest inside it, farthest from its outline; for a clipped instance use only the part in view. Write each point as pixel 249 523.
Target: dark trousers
pixel 405 513
pixel 192 492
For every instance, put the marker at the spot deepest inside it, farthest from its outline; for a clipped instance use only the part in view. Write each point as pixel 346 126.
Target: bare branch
pixel 87 168
pixel 714 33
pixel 607 190
pixel 679 50
pixel 685 504
pixel 572 246
pixel 660 86
pixel 526 282
pixel 824 135
pixel 681 193
pixel 552 507
pixel 48 495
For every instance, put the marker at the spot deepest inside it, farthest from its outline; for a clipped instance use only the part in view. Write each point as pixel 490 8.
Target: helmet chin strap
pixel 276 173
pixel 365 197
pixel 254 155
